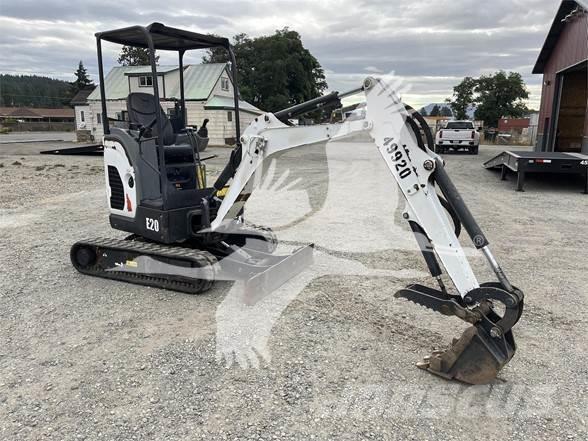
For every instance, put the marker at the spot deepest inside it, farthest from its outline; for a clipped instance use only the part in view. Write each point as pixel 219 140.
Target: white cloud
pixel 430 44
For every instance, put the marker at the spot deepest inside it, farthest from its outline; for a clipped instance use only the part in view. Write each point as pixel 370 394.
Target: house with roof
pixel 20 119
pixel 36 115
pixel 208 94
pixel 563 62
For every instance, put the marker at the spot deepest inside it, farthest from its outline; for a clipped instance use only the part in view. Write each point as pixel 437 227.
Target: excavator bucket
pixel 484 348
pixel 475 358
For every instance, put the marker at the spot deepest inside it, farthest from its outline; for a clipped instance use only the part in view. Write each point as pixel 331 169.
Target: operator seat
pixel 143 109
pixel 179 152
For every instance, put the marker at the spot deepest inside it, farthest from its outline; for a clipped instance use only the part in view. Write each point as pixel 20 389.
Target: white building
pixel 82 111
pixel 208 93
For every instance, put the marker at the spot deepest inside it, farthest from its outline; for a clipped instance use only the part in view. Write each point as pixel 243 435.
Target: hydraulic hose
pixel 452 214
pixel 417 123
pixel 424 126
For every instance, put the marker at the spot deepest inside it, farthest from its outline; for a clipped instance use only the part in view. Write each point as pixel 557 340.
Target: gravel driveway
pixel 85 358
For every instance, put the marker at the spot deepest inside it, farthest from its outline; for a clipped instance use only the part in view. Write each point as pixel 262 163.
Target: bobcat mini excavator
pixel 184 235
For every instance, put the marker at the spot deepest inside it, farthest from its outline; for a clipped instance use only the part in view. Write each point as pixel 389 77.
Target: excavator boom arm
pixel 410 165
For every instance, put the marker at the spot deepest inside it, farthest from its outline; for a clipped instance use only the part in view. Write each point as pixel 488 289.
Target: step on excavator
pixel 185 235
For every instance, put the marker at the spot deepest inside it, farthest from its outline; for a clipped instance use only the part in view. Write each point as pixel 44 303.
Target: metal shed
pixel 563 61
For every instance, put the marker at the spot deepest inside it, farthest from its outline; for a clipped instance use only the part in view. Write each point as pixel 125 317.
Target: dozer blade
pixel 265 272
pixel 275 276
pixel 474 358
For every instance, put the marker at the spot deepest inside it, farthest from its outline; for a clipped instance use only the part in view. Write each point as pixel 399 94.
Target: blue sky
pixel 429 45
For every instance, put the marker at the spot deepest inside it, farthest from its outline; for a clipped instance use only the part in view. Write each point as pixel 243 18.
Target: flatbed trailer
pixel 540 162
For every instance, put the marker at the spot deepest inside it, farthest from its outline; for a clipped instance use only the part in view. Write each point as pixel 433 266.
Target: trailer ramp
pixel 525 162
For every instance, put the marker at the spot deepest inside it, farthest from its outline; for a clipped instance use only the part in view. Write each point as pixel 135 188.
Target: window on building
pixel 99 118
pixel 224 83
pixel 82 116
pixel 123 115
pixel 229 116
pixel 146 81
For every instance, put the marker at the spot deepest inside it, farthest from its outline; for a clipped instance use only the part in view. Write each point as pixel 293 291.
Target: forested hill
pixel 34 91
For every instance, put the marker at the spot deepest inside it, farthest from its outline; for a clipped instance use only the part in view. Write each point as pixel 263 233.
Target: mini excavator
pixel 184 235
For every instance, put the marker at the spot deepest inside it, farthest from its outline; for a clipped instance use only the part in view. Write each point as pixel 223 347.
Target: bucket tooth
pixel 423 364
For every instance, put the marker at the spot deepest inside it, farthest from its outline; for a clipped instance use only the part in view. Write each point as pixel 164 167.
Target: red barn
pixel 563 61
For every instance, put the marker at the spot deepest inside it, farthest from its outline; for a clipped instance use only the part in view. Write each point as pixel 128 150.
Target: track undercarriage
pixel 247 254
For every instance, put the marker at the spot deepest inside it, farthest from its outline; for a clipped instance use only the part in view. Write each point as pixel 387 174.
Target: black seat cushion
pixel 143 108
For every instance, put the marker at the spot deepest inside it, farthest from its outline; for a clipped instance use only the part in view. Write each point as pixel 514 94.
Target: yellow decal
pixel 132 264
pixel 222 192
pixel 201 176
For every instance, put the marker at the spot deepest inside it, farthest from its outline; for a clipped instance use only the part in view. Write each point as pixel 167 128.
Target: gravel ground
pixel 85 358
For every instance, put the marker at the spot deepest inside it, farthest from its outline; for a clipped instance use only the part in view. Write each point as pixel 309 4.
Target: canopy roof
pixel 164 38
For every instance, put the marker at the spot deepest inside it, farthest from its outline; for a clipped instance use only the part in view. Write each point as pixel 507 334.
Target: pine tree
pixel 82 81
pixel 34 91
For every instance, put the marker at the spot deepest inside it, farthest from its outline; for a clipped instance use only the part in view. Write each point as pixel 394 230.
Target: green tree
pixel 496 96
pixel 463 97
pixel 34 91
pixel 82 81
pixel 435 111
pixel 500 95
pixel 274 71
pixel 135 56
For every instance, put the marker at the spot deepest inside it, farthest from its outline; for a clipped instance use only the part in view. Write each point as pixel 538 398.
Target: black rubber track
pixel 197 258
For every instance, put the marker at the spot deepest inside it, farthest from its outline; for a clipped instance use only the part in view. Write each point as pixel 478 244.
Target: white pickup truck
pixel 458 135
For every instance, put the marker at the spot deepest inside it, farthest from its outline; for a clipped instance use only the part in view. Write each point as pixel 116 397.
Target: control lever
pixel 143 129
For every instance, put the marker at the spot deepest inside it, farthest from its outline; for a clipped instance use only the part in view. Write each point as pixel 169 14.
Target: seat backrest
pixel 143 108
